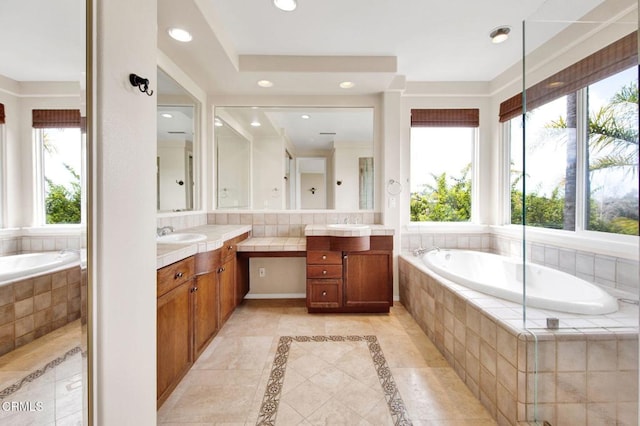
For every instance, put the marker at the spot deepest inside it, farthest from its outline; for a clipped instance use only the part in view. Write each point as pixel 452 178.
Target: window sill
pixel 53 230
pixel 448 227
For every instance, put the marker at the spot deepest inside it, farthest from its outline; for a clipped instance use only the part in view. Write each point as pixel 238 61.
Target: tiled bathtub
pixel 585 373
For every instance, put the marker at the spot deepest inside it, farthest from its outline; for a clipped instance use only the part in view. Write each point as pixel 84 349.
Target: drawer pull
pixel 324 257
pixel 324 272
pixel 324 293
pixel 178 275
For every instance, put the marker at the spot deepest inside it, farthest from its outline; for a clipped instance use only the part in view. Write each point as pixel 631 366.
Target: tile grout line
pixel 10 390
pixel 271 399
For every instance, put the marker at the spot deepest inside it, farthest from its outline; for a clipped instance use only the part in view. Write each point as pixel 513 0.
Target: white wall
pixel 268 174
pixel 346 160
pixel 123 226
pixel 173 167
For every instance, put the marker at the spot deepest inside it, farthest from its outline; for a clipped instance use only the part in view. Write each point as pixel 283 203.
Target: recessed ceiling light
pixel 347 84
pixel 555 84
pixel 500 34
pixel 265 83
pixel 286 5
pixel 256 123
pixel 180 34
pixel 166 115
pixel 305 116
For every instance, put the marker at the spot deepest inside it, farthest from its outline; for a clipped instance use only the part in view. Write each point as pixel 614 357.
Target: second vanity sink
pixel 348 226
pixel 180 238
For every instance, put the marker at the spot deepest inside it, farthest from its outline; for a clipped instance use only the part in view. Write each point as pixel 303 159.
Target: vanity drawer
pixel 324 258
pixel 324 271
pixel 324 293
pixel 230 247
pixel 173 275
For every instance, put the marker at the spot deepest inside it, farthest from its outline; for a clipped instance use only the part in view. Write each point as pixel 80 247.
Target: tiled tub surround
pixel 33 307
pixel 612 273
pixel 587 371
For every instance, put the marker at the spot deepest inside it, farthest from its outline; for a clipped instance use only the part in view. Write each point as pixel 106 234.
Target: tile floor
pixel 46 377
pixel 325 382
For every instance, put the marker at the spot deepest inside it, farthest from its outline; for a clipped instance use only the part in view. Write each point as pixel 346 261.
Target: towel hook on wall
pixel 141 83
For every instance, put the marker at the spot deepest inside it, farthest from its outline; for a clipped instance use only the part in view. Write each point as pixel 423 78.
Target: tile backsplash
pixel 285 224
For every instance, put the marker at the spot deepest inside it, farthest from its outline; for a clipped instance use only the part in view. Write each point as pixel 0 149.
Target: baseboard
pixel 276 296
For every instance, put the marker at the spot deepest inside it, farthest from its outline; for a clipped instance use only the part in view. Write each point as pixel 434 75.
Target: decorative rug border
pixel 271 399
pixel 39 372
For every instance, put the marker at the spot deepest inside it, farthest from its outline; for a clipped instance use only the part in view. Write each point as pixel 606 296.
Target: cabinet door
pixel 227 286
pixel 368 280
pixel 205 311
pixel 174 340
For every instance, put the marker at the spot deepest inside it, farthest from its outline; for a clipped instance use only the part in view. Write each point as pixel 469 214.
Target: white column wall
pixel 123 217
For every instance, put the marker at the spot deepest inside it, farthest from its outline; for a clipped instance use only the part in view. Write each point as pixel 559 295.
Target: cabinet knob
pixel 324 293
pixel 178 275
pixel 230 248
pixel 324 257
pixel 324 272
pixel 220 270
pixel 344 257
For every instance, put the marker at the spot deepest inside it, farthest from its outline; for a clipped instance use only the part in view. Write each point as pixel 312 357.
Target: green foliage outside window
pixel 446 200
pixel 62 204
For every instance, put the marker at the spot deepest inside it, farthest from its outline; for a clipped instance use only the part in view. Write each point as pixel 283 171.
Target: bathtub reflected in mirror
pixel 44 309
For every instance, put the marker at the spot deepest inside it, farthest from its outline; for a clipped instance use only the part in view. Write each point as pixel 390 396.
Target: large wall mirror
pixel 294 158
pixel 44 303
pixel 177 142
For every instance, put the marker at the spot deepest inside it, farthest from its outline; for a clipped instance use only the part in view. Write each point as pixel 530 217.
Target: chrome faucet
pixel 420 250
pixel 164 230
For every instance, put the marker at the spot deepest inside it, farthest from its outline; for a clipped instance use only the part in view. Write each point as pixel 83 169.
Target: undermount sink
pixel 348 226
pixel 180 238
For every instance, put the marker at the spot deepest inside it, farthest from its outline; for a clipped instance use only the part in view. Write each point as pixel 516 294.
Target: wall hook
pixel 180 182
pixel 141 83
pixel 313 190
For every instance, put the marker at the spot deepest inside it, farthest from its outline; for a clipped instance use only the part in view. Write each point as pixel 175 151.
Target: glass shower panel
pixel 574 187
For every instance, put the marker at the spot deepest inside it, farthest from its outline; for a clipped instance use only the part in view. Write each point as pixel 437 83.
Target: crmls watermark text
pixel 22 406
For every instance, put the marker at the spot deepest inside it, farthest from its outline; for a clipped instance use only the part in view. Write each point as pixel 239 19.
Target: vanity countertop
pixel 216 236
pixel 347 230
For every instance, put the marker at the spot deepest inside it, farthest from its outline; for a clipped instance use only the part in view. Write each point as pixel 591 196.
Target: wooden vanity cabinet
pixel 206 298
pixel 368 276
pixel 231 287
pixel 349 281
pixel 174 325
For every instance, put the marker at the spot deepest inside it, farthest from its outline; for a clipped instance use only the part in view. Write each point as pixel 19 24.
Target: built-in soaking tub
pixel 31 264
pixel 503 277
pixel 39 292
pixel 584 372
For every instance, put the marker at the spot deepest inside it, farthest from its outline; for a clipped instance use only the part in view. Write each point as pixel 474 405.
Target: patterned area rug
pixel 273 394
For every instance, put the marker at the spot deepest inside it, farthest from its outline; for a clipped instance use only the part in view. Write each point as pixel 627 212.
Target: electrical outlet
pixel 262 272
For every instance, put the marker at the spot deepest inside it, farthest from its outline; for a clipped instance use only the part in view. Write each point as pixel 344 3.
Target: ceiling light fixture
pixel 265 83
pixel 347 84
pixel 217 122
pixel 180 35
pixel 256 123
pixel 286 5
pixel 305 116
pixel 500 34
pixel 166 115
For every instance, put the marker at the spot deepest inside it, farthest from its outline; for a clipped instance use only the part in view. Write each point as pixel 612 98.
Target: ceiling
pixel 378 45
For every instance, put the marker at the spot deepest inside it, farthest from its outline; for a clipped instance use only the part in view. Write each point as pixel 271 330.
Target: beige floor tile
pixel 324 382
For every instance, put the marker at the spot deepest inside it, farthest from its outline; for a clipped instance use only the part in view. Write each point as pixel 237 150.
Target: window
pixel 612 153
pixel 580 179
pixel 441 155
pixel 59 143
pixel 2 164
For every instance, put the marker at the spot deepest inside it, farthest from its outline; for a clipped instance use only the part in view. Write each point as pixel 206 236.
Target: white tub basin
pixel 181 238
